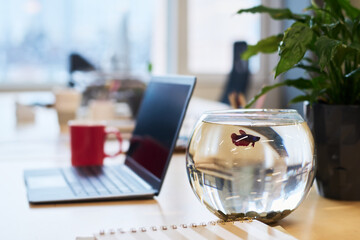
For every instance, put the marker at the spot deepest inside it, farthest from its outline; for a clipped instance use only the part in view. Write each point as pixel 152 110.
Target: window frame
pixel 177 10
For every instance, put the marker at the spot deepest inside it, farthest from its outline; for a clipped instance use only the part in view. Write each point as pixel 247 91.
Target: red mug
pixel 87 140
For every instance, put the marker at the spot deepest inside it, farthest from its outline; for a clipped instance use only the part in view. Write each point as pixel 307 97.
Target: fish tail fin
pixel 233 136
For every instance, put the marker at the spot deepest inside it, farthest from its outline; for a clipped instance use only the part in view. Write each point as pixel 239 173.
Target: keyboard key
pixel 130 180
pixel 109 185
pixel 101 180
pixel 116 180
pixel 84 182
pixel 94 181
pixel 73 182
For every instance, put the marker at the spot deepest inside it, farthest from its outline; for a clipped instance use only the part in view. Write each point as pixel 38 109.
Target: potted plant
pixel 325 42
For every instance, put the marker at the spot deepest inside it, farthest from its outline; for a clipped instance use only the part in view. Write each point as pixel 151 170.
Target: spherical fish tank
pixel 251 164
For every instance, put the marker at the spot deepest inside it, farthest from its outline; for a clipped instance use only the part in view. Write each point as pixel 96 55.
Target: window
pixel 206 32
pixel 213 27
pixel 37 36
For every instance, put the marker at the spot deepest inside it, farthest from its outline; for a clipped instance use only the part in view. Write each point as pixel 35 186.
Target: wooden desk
pixel 175 205
pixel 316 218
pixel 319 218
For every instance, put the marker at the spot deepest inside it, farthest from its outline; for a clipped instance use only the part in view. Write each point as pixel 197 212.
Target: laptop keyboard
pixel 100 181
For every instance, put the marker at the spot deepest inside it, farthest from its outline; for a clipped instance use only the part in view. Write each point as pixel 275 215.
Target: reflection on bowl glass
pixel 251 164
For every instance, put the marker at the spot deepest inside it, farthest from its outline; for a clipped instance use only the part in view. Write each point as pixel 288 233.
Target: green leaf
pixel 319 82
pixel 308 59
pixel 262 92
pixel 267 45
pixel 296 41
pixel 326 49
pixel 308 68
pixel 314 4
pixel 275 13
pixel 345 53
pixel 321 15
pixel 320 87
pixel 334 7
pixel 350 10
pixel 356 28
pixel 301 98
pixel 299 83
pixel 332 29
pixel 355 46
pixel 329 50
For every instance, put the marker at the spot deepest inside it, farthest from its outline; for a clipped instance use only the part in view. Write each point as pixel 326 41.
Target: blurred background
pixel 38 38
pixel 44 44
pixel 88 59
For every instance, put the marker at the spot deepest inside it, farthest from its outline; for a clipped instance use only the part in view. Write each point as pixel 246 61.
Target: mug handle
pixel 118 137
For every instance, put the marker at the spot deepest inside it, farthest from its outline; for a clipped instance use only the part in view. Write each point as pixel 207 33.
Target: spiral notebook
pixel 213 230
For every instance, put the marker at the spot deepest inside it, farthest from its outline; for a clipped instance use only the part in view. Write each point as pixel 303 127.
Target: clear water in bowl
pixel 251 164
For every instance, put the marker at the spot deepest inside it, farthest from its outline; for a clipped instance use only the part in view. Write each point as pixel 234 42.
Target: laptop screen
pixel 157 125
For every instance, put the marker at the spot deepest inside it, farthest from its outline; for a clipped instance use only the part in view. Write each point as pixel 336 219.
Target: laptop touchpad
pixel 46 181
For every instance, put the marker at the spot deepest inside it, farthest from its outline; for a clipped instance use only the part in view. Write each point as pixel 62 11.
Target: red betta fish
pixel 244 139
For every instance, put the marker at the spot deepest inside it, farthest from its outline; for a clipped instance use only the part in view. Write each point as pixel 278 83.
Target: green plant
pixel 325 42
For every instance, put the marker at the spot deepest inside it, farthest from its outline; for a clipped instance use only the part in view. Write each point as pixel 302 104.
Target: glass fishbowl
pixel 251 164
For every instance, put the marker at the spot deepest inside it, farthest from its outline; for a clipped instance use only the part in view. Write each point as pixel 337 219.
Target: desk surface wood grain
pixel 316 218
pixel 22 148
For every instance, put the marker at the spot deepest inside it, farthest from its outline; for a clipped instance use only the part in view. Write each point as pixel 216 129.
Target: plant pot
pixel 336 130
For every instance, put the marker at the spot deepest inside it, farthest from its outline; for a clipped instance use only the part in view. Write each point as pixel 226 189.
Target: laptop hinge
pixel 146 175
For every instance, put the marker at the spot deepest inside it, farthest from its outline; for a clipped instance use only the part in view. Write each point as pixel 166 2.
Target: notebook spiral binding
pixel 164 228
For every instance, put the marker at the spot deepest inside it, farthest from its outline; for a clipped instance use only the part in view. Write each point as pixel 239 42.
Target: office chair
pixel 238 78
pixel 78 63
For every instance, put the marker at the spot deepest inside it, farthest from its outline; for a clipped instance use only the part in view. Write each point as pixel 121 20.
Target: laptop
pixel 158 123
